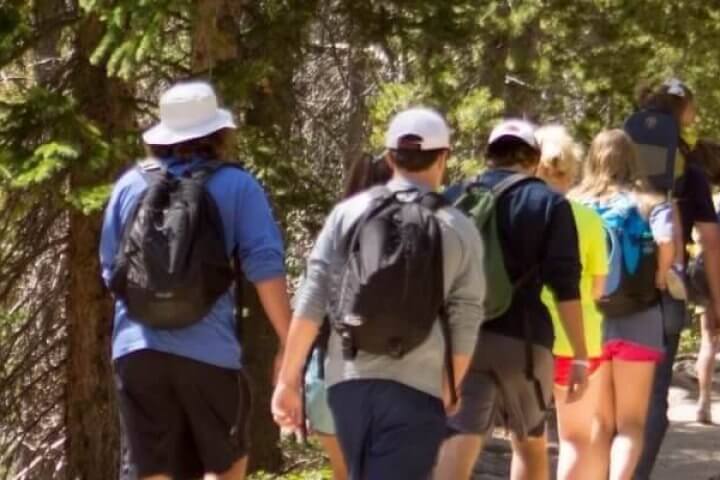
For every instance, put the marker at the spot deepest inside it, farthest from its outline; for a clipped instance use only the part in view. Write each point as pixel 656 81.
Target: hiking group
pixel 428 314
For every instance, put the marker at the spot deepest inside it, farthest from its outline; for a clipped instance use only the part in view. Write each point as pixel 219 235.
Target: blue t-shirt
pixel 250 230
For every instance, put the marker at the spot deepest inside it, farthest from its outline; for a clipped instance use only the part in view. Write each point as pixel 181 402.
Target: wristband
pixel 584 363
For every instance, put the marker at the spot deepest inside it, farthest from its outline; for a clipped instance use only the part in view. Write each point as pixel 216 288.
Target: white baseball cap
pixel 425 123
pixel 515 128
pixel 188 111
pixel 676 87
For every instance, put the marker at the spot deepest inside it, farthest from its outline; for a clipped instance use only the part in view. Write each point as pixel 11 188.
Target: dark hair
pixel 659 98
pixel 216 146
pixel 706 155
pixel 511 151
pixel 365 172
pixel 409 156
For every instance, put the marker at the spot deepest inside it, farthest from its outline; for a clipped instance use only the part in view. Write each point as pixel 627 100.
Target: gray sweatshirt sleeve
pixel 467 289
pixel 311 300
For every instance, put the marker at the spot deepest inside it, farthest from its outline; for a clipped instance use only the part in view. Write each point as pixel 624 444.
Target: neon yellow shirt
pixel 593 257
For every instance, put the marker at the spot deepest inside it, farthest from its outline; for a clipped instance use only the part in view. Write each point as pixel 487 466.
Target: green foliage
pixel 140 33
pixel 42 137
pixel 15 29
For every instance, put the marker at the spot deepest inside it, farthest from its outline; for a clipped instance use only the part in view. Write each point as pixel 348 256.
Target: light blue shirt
pixel 250 230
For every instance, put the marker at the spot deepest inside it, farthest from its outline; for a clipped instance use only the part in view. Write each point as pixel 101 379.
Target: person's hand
pixel 577 381
pixel 661 280
pixel 286 405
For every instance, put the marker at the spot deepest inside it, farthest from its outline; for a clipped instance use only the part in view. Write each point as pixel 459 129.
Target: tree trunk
pixel 90 412
pixel 357 131
pixel 216 45
pixel 522 94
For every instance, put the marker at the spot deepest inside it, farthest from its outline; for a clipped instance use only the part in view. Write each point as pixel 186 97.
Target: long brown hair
pixel 216 146
pixel 365 172
pixel 612 167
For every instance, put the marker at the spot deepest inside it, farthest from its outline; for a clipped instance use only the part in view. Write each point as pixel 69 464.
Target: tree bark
pixel 357 130
pixel 90 413
pixel 218 47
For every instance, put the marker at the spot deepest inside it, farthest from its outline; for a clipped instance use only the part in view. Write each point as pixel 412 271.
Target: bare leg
pixel 530 459
pixel 580 458
pixel 705 366
pixel 457 457
pixel 236 472
pixel 332 449
pixel 604 426
pixel 631 405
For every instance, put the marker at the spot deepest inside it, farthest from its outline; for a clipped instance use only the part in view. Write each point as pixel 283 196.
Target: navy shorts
pixel 387 430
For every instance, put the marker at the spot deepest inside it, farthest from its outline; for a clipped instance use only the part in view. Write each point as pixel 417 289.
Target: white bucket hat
pixel 188 111
pixel 425 123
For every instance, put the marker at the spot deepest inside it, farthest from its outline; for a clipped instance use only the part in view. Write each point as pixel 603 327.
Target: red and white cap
pixel 515 128
pixel 426 124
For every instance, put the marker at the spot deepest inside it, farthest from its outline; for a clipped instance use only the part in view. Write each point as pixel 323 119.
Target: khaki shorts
pixel 496 388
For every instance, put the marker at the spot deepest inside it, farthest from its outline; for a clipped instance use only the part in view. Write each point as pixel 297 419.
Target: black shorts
pixel 496 389
pixel 182 417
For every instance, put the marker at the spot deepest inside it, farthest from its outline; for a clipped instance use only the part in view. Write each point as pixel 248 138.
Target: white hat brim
pixel 161 134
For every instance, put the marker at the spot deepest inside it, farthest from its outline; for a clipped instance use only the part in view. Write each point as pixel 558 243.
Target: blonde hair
pixel 559 151
pixel 612 167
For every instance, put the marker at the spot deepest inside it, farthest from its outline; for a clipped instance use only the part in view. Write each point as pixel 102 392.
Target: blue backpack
pixel 632 256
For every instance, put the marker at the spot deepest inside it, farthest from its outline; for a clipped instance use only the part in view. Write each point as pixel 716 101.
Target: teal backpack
pixel 632 258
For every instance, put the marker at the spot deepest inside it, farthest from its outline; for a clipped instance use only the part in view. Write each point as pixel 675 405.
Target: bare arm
pixel 461 363
pixel 678 241
pixel 666 258
pixel 287 399
pixel 300 339
pixel 275 301
pixel 572 320
pixel 598 286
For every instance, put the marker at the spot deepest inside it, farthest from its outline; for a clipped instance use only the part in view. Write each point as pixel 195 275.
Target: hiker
pixel 578 422
pixel 639 224
pixel 365 172
pixel 706 155
pixel 173 227
pixel 530 240
pixel 404 325
pixel 692 196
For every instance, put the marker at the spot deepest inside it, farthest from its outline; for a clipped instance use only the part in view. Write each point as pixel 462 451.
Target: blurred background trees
pixel 312 83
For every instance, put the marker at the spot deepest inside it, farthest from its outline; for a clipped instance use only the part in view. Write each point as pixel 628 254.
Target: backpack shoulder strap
pixel 433 201
pixel 508 183
pixel 151 169
pixel 381 196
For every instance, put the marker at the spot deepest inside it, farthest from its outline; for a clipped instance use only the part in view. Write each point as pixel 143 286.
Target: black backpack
pixel 392 286
pixel 172 266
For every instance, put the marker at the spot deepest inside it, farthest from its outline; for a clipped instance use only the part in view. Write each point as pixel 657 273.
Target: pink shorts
pixel 631 352
pixel 564 364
